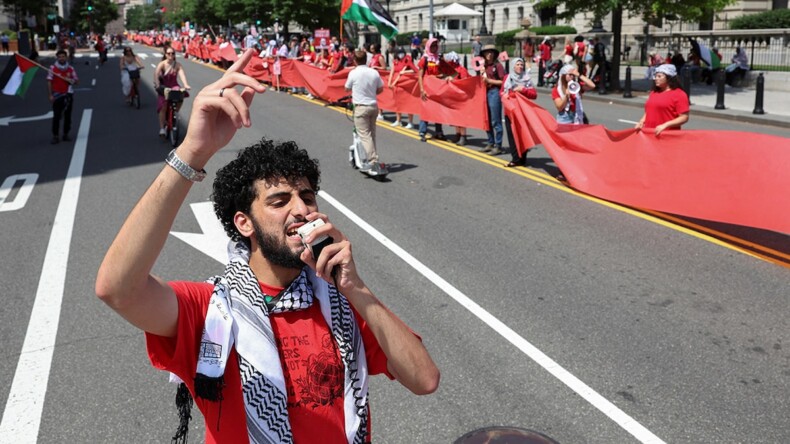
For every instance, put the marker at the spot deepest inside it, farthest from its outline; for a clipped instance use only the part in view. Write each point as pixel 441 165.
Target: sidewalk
pixel 738 102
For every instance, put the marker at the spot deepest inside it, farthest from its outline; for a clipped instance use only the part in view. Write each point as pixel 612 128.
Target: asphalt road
pixel 544 309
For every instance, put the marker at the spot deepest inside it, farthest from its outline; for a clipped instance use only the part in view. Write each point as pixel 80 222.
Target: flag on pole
pixel 17 75
pixel 369 12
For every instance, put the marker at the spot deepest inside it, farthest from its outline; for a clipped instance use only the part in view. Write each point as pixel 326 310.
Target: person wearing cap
pixel 569 105
pixel 667 107
pixel 493 75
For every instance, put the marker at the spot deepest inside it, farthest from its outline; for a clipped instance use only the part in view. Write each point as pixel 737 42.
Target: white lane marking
pixel 97 67
pixel 93 82
pixel 153 66
pixel 143 56
pixel 22 414
pixel 28 181
pixel 607 408
pixel 627 121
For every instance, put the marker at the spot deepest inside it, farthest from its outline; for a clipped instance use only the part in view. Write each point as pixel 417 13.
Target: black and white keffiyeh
pixel 238 316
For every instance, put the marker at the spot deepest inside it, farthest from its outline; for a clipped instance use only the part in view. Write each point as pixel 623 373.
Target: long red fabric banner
pixel 458 102
pixel 725 176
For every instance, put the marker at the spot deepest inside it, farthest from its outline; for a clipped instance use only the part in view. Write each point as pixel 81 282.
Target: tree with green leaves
pixel 92 15
pixel 648 9
pixel 143 17
pixel 20 9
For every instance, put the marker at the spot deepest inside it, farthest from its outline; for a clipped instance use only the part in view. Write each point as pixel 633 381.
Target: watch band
pixel 184 169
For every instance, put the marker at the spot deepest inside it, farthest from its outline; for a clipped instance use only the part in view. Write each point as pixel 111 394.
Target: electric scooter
pixel 357 157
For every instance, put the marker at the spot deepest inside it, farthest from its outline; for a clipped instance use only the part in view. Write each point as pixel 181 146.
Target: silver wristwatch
pixel 183 169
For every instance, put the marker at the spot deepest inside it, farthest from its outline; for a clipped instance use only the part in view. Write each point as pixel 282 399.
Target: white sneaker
pixel 310 96
pixel 162 132
pixel 380 117
pixel 395 123
pixel 409 126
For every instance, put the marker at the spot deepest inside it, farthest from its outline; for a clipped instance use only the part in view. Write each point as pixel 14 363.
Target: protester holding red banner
pixel 493 76
pixel 402 64
pixel 667 107
pixel 453 61
pixel 519 81
pixel 431 64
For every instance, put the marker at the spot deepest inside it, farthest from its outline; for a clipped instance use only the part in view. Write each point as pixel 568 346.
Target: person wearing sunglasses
pixel 167 74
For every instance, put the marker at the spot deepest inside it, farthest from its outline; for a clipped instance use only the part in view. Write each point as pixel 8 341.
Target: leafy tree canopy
pixel 104 11
pixel 776 19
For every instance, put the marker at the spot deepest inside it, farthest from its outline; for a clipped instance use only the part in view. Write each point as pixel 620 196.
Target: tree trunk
pixel 617 31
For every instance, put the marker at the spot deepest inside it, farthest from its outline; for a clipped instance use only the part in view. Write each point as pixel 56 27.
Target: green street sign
pixel 51 16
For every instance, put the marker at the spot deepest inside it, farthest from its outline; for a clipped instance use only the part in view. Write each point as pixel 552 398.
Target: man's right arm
pixel 124 281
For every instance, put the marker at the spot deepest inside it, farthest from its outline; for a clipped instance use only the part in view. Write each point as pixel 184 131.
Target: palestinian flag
pixel 369 12
pixel 709 56
pixel 17 76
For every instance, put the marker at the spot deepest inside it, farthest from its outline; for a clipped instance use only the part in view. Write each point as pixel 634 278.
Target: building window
pixel 493 19
pixel 453 24
pixel 506 19
pixel 548 16
pixel 520 14
pixel 419 22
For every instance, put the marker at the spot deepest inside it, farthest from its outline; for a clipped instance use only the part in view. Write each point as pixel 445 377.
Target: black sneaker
pixel 422 138
pixel 439 136
pixel 54 140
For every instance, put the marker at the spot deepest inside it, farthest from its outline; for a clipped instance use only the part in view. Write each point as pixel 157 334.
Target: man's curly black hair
pixel 234 186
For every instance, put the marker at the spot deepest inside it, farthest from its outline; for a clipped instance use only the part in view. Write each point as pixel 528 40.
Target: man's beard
pixel 276 251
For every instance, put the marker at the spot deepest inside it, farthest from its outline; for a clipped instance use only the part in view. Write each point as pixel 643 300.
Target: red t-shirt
pixel 665 106
pixel 311 363
pixel 545 52
pixel 433 68
pixel 555 94
pixel 405 62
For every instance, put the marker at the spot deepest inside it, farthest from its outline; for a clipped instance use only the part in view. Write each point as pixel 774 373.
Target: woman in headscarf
pixel 519 81
pixel 667 107
pixel 432 64
pixel 568 103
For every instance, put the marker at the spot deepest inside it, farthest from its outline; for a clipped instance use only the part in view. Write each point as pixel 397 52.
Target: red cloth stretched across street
pixel 725 176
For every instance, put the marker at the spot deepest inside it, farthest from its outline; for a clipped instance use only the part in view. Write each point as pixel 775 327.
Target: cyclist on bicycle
pixel 168 73
pixel 131 66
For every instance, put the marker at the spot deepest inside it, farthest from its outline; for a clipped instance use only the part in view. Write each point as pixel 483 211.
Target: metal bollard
pixel 627 91
pixel 507 65
pixel 719 89
pixel 466 67
pixel 758 101
pixel 685 78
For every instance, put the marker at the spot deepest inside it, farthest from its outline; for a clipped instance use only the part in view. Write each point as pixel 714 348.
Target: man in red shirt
pixel 545 58
pixel 61 79
pixel 278 348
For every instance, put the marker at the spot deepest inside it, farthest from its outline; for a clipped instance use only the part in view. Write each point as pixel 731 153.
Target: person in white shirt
pixel 365 84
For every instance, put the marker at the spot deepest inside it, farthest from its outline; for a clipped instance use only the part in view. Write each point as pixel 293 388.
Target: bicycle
pixel 174 98
pixel 134 94
pixel 357 157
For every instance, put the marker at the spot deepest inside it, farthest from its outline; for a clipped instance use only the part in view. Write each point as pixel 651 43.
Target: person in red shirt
pixel 431 64
pixel 545 57
pixel 60 81
pixel 401 64
pixel 456 71
pixel 279 347
pixel 667 107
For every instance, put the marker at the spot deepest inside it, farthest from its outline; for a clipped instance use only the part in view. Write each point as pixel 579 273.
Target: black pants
pixel 511 141
pixel 62 107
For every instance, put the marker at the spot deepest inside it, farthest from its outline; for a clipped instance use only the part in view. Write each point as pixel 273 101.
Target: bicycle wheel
pixel 135 97
pixel 173 127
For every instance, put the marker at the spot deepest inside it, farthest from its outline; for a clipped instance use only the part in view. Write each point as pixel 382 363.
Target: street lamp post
pixel 483 29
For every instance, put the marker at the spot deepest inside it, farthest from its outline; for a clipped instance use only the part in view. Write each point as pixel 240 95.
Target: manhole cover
pixel 504 435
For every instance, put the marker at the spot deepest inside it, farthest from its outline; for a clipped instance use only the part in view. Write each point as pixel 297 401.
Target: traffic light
pixel 258 22
pixel 90 6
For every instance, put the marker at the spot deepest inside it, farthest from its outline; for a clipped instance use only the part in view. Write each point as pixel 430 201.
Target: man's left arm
pixel 407 358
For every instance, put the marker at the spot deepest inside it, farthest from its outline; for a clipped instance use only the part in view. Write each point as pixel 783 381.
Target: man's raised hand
pixel 219 110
